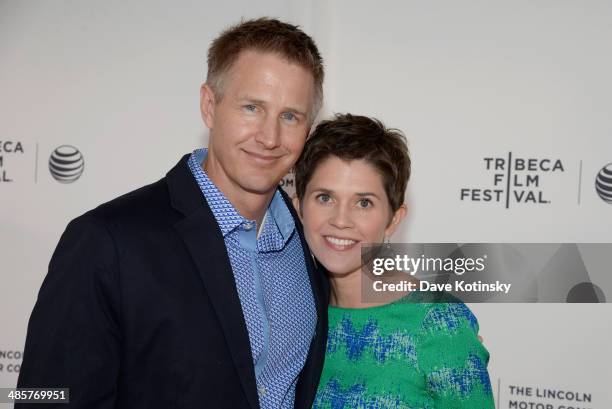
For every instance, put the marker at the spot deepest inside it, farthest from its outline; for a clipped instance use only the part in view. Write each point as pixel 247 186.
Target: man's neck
pixel 250 205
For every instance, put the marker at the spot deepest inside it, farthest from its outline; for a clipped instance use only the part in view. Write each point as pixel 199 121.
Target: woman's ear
pixel 296 205
pixel 397 218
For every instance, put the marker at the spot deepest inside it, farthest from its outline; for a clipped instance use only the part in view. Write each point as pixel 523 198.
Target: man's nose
pixel 269 133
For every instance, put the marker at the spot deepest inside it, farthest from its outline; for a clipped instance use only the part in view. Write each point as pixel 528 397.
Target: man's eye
pixel 250 107
pixel 288 116
pixel 364 203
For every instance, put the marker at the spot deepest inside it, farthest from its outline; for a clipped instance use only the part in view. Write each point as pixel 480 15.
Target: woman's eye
pixel 364 203
pixel 323 198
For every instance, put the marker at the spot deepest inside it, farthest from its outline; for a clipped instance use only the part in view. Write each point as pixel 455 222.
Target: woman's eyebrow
pixel 363 194
pixel 321 190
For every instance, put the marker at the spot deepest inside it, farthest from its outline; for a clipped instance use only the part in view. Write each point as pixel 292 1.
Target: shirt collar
pixel 278 226
pixel 278 223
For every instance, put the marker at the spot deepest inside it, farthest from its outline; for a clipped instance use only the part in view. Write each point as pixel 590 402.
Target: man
pixel 198 291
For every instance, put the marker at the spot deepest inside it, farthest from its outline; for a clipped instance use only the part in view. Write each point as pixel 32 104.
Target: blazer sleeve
pixel 74 337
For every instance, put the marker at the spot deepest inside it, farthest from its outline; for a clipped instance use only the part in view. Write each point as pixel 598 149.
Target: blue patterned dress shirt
pixel 273 288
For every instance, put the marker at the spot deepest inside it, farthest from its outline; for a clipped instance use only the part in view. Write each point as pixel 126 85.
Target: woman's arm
pixel 452 359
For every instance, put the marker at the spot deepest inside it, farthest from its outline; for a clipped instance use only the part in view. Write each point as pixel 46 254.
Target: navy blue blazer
pixel 139 309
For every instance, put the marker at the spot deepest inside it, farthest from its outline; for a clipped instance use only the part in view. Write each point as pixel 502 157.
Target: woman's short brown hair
pixel 265 35
pixel 352 137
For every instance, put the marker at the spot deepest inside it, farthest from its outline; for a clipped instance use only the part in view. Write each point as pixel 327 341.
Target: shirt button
pixel 262 391
pixel 248 226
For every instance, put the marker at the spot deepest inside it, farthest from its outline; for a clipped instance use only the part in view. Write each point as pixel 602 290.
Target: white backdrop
pixel 119 80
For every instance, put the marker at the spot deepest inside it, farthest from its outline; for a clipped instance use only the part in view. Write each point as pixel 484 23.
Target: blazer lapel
pixel 204 241
pixel 318 281
pixel 308 382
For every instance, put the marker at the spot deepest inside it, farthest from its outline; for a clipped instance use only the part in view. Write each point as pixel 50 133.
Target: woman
pixel 350 185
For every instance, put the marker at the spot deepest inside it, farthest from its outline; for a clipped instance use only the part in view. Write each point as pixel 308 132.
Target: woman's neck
pixel 347 291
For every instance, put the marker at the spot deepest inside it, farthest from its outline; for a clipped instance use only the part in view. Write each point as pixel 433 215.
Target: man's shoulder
pixel 146 201
pixel 147 204
pixel 148 198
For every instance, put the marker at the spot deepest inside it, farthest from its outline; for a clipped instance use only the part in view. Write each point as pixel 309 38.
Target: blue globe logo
pixel 66 164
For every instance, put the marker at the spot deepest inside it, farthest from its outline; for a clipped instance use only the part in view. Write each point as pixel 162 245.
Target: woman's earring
pixel 314 260
pixel 387 242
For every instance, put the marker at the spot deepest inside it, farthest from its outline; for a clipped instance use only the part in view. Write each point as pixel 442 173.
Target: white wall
pixel 464 80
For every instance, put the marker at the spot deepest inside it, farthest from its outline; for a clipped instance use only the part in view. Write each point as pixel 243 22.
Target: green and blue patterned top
pixel 407 354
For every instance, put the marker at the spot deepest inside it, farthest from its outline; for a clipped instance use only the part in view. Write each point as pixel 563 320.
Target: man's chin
pixel 260 187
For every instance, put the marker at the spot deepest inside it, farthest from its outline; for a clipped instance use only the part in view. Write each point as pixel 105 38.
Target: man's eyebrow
pixel 296 111
pixel 248 98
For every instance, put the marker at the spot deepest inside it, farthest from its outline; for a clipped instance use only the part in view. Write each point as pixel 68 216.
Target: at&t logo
pixel 603 183
pixel 66 164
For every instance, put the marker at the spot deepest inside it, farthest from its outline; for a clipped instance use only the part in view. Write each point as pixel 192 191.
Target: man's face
pixel 258 128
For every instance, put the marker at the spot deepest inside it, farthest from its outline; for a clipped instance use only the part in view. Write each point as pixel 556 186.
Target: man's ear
pixel 397 218
pixel 207 105
pixel 296 205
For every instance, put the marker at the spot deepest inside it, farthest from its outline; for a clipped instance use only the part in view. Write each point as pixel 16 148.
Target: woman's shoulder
pixel 443 312
pixel 451 356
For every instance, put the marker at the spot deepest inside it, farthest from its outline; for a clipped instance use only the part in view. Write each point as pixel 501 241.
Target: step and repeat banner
pixel 506 107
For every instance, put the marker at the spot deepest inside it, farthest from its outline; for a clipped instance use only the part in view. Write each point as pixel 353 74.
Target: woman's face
pixel 345 205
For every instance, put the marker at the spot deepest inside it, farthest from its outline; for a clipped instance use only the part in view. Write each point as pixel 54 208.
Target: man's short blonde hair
pixel 265 35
